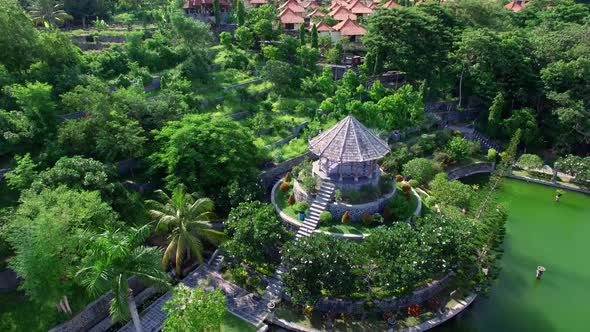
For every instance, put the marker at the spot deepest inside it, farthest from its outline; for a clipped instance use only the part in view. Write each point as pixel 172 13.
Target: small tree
pixel 240 13
pixel 302 34
pixel 346 219
pixel 23 174
pixel 291 199
pixel 217 12
pixel 314 36
pixel 458 148
pixel 530 161
pixel 194 310
pixel 225 39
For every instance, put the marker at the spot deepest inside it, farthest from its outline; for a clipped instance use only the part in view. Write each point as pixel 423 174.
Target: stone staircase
pixel 318 206
pixel 274 289
pixel 216 261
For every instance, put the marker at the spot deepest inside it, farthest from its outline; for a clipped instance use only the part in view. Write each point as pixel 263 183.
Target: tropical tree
pixel 187 220
pixel 48 12
pixel 113 258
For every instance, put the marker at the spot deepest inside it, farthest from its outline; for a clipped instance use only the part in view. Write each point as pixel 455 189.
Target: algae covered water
pixel 539 231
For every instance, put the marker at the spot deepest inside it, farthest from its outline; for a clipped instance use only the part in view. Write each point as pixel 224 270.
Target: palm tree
pixel 116 256
pixel 48 12
pixel 186 219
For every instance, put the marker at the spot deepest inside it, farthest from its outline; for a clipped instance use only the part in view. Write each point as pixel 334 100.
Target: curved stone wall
pixel 477 168
pixel 357 211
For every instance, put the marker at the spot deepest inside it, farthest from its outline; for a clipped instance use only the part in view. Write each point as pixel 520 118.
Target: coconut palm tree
pixel 116 256
pixel 186 219
pixel 48 12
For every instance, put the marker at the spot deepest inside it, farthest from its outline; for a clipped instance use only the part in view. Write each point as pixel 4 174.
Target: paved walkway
pixel 239 302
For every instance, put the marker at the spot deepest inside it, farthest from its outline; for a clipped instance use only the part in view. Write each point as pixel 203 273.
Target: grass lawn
pixel 232 323
pixel 294 148
pixel 281 198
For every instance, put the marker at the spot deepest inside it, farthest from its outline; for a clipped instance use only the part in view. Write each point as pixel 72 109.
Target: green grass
pixel 281 199
pixel 294 148
pixel 232 323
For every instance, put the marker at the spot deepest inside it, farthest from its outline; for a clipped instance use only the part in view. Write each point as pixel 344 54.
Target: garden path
pixel 240 302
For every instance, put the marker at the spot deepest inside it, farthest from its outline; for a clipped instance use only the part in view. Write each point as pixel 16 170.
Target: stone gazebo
pixel 348 154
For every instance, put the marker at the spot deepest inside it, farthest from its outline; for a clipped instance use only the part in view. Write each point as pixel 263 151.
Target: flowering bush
pixel 285 186
pixel 406 187
pixel 291 199
pixel 367 219
pixel 414 310
pixel 346 219
pixel 399 178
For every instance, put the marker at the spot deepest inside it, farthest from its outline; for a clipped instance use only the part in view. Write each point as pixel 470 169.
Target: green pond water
pixel 539 231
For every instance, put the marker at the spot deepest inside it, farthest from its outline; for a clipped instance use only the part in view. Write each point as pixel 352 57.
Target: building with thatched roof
pixel 348 154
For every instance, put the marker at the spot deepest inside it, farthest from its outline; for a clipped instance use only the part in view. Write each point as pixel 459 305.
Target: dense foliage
pixel 194 310
pixel 256 234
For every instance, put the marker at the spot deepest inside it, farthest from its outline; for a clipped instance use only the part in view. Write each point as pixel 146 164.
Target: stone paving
pixel 239 301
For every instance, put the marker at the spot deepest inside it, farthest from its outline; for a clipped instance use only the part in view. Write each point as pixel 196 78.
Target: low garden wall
pixel 95 312
pixel 421 295
pixel 357 211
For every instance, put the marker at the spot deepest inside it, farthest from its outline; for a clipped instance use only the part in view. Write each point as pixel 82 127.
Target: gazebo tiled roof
pixel 288 16
pixel 348 27
pixel 348 141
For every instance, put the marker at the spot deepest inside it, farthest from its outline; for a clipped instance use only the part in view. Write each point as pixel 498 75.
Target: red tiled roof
pixel 390 4
pixel 340 13
pixel 197 3
pixel 293 5
pixel 516 5
pixel 311 4
pixel 349 27
pixel 336 3
pixel 323 27
pixel 316 12
pixel 289 16
pixel 357 7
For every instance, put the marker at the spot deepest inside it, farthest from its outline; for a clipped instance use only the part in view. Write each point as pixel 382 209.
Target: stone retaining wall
pixel 421 295
pixel 357 211
pixel 95 312
pixel 267 177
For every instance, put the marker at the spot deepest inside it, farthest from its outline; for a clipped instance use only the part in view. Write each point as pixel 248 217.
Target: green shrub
pixel 474 148
pixel 378 218
pixel 338 195
pixel 399 207
pixel 492 154
pixel 325 217
pixel 443 158
pixel 308 184
pixel 530 161
pixel 414 183
pixel 421 169
pixel 301 206
pixel 458 148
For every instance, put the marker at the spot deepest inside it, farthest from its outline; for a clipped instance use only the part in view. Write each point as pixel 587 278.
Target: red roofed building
pixel 390 4
pixel 516 5
pixel 316 13
pixel 359 9
pixel 336 3
pixel 348 28
pixel 290 20
pixel 311 4
pixel 293 5
pixel 323 29
pixel 203 9
pixel 340 13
